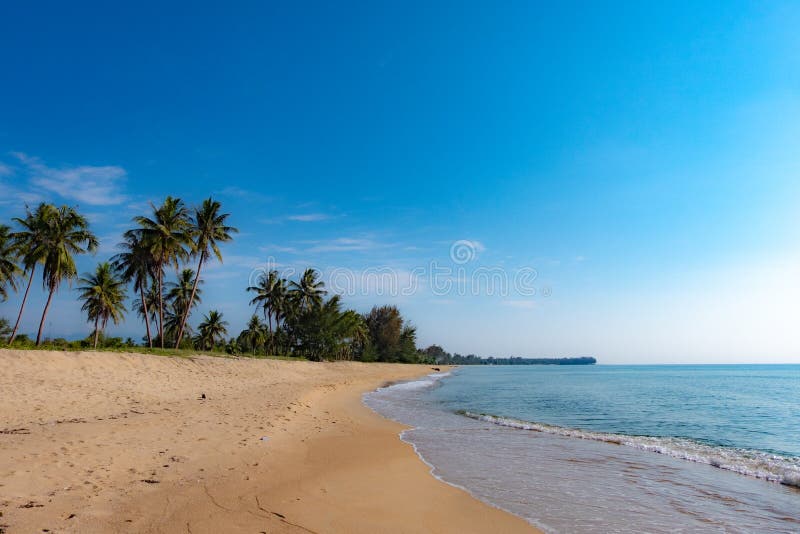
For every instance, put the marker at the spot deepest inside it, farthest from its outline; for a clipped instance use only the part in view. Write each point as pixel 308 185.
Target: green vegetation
pixel 5 328
pixel 66 234
pixel 134 266
pixel 213 330
pixel 49 236
pixel 166 237
pixel 9 270
pixel 209 230
pixel 300 319
pixel 103 296
pixel 437 355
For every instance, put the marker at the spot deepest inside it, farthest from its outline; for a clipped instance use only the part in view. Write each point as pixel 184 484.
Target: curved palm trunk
pixel 269 347
pixel 146 317
pixel 22 306
pixel 44 316
pixel 161 304
pixel 191 300
pixel 96 333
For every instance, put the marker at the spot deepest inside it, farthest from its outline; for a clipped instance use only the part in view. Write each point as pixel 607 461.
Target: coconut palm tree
pixel 103 296
pixel 66 234
pixel 172 322
pixel 209 230
pixel 147 309
pixel 354 332
pixel 30 244
pixel 168 237
pixel 5 327
pixel 272 296
pixel 135 264
pixel 309 291
pixel 212 329
pixel 179 294
pixel 328 332
pixel 266 292
pixel 8 262
pixel 255 334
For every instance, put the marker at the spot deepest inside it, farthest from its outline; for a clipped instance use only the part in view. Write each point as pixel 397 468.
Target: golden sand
pixel 109 442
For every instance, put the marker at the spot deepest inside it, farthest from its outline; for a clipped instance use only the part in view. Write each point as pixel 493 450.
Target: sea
pixel 606 448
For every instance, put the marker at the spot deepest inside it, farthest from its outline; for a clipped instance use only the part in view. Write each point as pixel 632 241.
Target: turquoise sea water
pixel 615 448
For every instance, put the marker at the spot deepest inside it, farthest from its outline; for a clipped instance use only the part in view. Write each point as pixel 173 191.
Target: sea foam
pixel 425 382
pixel 758 464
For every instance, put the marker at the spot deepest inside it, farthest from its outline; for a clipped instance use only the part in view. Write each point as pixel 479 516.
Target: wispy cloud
pixel 309 217
pixel 237 260
pixel 271 249
pixel 109 244
pixel 238 192
pixel 96 186
pixel 10 195
pixel 343 244
pixel 5 170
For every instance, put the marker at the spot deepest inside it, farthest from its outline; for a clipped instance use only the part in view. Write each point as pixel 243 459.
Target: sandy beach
pixel 109 442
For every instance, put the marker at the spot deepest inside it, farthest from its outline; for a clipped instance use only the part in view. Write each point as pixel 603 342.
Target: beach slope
pixel 109 442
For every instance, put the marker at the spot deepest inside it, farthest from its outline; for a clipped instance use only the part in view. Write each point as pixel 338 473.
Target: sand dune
pixel 106 442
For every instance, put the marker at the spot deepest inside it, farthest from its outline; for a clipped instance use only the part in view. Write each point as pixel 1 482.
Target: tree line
pixel 437 355
pixel 299 318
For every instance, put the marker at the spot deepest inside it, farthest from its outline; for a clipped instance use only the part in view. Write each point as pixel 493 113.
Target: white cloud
pixel 343 244
pixel 10 195
pixel 236 260
pixel 108 243
pixel 238 192
pixel 5 170
pixel 271 249
pixel 96 186
pixel 309 217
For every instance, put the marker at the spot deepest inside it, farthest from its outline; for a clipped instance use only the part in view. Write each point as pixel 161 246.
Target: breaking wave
pixel 759 464
pixel 425 382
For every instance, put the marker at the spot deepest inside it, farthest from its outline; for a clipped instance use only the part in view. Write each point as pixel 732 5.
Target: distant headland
pixel 439 356
pixel 583 360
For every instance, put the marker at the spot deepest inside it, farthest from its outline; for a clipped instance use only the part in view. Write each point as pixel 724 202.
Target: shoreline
pixel 110 442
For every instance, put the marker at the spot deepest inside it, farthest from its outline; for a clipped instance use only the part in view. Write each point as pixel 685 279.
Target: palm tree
pixel 266 291
pixel 308 292
pixel 211 329
pixel 66 233
pixel 32 248
pixel 354 330
pixel 254 334
pixel 271 296
pixel 103 293
pixel 5 327
pixel 179 294
pixel 8 262
pixel 147 309
pixel 172 322
pixel 168 237
pixel 135 264
pixel 327 332
pixel 209 229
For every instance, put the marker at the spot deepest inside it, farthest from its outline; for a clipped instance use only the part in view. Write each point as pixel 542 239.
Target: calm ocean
pixel 701 448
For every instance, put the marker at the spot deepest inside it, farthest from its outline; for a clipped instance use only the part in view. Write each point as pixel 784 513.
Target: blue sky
pixel 642 158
